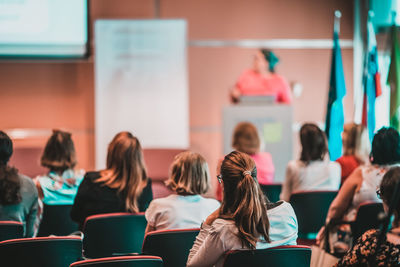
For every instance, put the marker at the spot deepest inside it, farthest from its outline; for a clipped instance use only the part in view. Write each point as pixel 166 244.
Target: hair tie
pixel 246 172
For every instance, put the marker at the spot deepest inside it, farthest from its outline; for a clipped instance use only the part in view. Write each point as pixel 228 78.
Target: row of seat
pixel 66 251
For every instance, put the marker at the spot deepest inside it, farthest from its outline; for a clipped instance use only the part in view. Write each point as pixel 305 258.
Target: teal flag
pixel 335 114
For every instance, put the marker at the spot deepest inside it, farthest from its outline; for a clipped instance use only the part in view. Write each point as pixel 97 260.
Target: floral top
pixel 360 255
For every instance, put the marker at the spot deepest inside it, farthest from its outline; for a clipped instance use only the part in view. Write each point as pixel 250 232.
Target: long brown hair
pixel 313 143
pixel 243 200
pixel 125 169
pixel 246 139
pixel 59 153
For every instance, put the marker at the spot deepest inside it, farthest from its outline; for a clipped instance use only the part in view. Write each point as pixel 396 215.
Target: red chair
pixel 283 256
pixel 172 246
pixel 11 230
pixel 113 234
pixel 311 208
pixel 124 261
pixel 41 251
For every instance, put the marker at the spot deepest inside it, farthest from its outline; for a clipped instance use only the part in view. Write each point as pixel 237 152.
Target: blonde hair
pixel 189 174
pixel 125 171
pixel 356 142
pixel 245 138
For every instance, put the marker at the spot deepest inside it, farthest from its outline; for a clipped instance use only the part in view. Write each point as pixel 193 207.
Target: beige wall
pixel 45 95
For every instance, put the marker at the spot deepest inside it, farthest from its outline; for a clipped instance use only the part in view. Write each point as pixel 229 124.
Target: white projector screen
pixel 43 28
pixel 141 83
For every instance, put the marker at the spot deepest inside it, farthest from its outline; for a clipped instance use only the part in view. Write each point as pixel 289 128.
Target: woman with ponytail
pixel 18 194
pixel 122 187
pixel 245 219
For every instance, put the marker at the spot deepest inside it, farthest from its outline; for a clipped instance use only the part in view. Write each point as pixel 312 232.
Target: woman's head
pixel 385 147
pixel 243 200
pixel 245 138
pixel 189 174
pixel 313 143
pixel 355 141
pixel 387 188
pixel 125 168
pixel 9 180
pixel 59 153
pixel 6 148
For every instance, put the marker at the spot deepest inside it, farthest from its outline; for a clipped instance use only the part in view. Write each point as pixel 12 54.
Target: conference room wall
pixel 46 95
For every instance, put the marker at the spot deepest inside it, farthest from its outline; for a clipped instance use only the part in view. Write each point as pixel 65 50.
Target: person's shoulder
pixel 282 206
pixel 334 165
pixel 92 175
pixel 369 235
pixel 211 201
pixel 221 226
pixel 25 180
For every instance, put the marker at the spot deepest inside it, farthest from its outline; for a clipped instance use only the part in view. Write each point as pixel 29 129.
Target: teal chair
pixel 172 246
pixel 40 251
pixel 11 230
pixel 122 261
pixel 272 191
pixel 113 234
pixel 283 256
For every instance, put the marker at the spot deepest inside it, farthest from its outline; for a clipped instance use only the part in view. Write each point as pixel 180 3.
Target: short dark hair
pixel 385 147
pixel 313 142
pixel 387 188
pixel 59 153
pixel 6 148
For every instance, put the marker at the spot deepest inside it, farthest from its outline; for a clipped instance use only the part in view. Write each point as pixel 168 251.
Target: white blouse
pixel 179 212
pixel 317 175
pixel 213 241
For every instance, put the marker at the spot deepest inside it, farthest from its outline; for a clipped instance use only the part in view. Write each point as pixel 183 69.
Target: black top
pixel 95 198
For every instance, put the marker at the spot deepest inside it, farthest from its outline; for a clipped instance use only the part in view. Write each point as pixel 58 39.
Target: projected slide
pixel 43 27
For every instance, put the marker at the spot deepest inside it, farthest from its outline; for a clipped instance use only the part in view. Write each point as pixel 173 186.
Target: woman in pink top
pixel 262 80
pixel 246 139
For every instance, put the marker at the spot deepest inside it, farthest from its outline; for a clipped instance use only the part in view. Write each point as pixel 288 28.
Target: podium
pixel 274 124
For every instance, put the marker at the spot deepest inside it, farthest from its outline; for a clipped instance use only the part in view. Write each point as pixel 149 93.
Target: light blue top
pixel 60 190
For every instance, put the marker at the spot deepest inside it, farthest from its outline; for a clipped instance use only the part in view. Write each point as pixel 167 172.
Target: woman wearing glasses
pixel 245 220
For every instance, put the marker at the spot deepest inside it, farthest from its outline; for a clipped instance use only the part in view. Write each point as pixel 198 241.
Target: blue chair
pixel 272 191
pixel 57 221
pixel 41 251
pixel 113 234
pixel 11 230
pixel 123 261
pixel 172 246
pixel 283 256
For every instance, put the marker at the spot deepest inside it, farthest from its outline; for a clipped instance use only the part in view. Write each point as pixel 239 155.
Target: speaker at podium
pixel 274 124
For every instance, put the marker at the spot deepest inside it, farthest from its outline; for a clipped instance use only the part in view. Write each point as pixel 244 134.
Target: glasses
pixel 379 194
pixel 219 177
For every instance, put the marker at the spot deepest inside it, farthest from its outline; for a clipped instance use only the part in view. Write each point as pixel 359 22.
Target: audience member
pixel 18 194
pixel 189 178
pixel 312 171
pixel 122 186
pixel 362 184
pixel 356 148
pixel 60 184
pixel 363 252
pixel 243 220
pixel 245 139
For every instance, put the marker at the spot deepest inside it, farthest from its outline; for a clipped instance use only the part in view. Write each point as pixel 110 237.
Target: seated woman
pixel 18 194
pixel 311 172
pixel 122 187
pixel 362 184
pixel 245 139
pixel 356 149
pixel 60 184
pixel 243 220
pixel 189 178
pixel 363 252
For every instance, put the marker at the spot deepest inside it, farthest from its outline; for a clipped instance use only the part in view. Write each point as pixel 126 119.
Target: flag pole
pixel 336 25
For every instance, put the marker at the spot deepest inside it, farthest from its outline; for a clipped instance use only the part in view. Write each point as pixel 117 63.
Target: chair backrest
pixel 283 256
pixel 367 218
pixel 123 261
pixel 57 221
pixel 311 209
pixel 113 234
pixel 11 230
pixel 172 246
pixel 41 251
pixel 271 191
